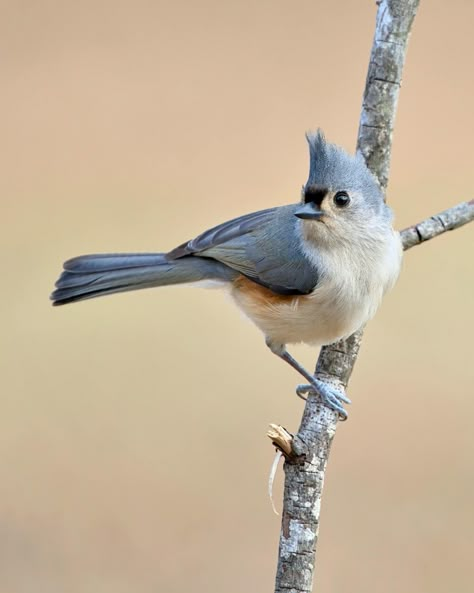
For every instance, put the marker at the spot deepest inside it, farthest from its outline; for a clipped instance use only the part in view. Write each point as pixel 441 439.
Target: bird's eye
pixel 341 199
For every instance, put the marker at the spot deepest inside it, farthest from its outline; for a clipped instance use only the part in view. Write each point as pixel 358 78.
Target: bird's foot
pixel 329 395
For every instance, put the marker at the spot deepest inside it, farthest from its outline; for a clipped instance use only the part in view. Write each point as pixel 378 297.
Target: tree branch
pixel 304 470
pixel 448 220
pixel 307 452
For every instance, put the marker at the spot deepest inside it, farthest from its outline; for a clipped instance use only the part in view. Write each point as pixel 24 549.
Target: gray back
pixel 264 246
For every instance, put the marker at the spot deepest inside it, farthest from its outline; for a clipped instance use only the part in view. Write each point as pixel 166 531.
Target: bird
pixel 312 272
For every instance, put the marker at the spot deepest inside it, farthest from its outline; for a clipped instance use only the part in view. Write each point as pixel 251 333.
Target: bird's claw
pixel 332 397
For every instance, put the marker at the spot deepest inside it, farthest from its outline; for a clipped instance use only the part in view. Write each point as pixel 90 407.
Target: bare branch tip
pixel 281 439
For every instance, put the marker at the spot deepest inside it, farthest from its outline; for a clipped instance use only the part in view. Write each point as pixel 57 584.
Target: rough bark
pixel 448 220
pixel 384 78
pixel 305 468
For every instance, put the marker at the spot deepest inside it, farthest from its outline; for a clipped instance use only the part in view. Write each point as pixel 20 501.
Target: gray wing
pixel 264 246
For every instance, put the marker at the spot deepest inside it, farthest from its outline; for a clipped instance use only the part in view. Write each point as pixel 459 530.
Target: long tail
pixel 90 276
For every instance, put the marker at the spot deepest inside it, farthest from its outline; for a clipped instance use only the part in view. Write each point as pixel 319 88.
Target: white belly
pixel 320 318
pixel 340 305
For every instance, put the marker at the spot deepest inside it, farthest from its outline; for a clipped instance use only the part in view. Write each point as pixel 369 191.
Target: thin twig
pixel 448 220
pixel 304 473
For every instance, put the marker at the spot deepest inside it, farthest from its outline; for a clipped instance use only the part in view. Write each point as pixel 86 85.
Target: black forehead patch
pixel 315 193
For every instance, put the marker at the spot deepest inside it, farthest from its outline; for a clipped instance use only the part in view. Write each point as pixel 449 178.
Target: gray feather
pixel 91 276
pixel 104 262
pixel 263 246
pixel 224 233
pixel 332 167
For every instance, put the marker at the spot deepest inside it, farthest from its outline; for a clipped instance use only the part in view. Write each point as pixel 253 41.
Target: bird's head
pixel 341 201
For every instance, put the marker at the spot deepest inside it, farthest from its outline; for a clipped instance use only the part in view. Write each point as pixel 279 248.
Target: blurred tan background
pixel 133 454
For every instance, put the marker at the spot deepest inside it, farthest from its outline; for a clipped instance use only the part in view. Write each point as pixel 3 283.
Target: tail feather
pixel 90 276
pixel 64 297
pixel 104 262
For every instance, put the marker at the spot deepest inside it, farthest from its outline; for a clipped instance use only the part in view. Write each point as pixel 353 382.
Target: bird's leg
pixel 332 397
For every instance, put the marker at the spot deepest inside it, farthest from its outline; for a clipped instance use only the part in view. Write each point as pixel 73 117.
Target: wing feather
pixel 263 245
pixel 223 233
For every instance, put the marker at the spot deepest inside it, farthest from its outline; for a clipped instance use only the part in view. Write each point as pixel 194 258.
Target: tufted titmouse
pixel 312 272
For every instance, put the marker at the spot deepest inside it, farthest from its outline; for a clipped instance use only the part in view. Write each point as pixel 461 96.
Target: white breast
pixel 348 294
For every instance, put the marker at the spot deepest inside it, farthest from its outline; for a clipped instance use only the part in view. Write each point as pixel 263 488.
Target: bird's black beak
pixel 309 211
